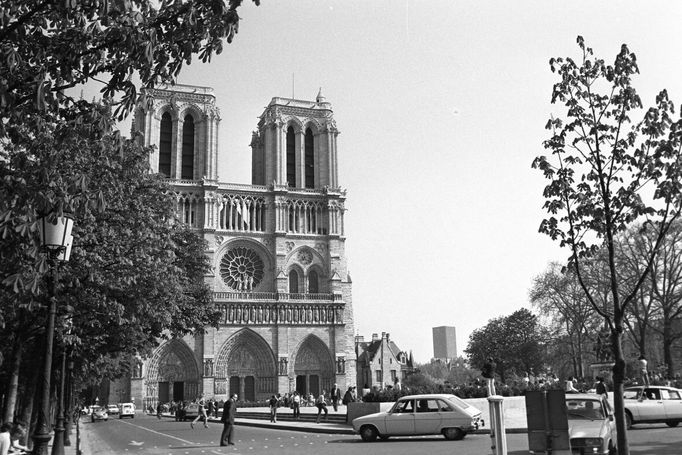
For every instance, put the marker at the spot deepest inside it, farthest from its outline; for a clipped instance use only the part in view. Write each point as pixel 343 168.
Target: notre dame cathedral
pixel 277 250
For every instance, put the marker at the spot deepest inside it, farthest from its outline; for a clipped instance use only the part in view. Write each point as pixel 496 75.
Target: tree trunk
pixel 667 346
pixel 618 379
pixel 27 408
pixel 13 385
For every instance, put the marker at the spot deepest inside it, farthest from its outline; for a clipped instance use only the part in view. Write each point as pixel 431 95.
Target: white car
pixel 421 415
pixel 126 410
pixel 112 409
pixel 98 413
pixel 653 404
pixel 591 425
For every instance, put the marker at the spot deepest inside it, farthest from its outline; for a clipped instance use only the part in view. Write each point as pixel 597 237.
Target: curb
pixel 282 426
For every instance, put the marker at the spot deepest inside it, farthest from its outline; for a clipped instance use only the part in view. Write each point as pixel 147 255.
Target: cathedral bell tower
pixel 295 145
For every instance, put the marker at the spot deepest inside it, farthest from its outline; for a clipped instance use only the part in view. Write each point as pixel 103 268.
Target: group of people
pixel 295 400
pixel 13 438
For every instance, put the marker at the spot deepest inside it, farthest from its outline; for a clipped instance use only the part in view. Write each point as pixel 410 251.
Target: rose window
pixel 241 269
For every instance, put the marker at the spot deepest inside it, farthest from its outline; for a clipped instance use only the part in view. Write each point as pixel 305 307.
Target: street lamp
pixel 56 240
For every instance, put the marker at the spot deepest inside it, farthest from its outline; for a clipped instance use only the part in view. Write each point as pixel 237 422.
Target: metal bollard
pixel 497 431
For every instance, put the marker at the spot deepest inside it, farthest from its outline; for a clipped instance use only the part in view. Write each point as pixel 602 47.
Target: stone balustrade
pixel 255 313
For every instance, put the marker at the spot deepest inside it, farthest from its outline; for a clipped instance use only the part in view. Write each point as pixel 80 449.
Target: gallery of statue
pixel 277 250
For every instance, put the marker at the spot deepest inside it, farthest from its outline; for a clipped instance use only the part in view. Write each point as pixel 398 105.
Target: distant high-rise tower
pixel 444 343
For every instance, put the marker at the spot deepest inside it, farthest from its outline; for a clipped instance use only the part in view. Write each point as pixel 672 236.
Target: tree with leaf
pixel 557 294
pixel 48 47
pixel 515 342
pixel 135 275
pixel 607 171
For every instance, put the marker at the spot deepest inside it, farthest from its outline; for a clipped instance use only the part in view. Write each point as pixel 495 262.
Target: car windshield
pixel 584 409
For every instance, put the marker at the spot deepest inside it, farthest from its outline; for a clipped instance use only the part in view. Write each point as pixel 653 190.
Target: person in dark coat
pixel 336 397
pixel 229 412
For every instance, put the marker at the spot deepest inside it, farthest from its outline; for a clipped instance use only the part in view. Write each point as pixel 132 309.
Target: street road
pixel 148 435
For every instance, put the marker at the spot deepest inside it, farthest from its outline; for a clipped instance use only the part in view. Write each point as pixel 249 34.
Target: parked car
pixel 112 409
pixel 98 413
pixel 653 404
pixel 421 415
pixel 126 410
pixel 591 425
pixel 191 411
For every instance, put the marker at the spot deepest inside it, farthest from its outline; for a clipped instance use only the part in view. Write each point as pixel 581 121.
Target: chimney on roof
pixel 359 339
pixel 375 336
pixel 383 335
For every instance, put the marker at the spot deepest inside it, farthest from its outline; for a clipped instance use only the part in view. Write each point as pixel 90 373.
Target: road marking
pixel 158 432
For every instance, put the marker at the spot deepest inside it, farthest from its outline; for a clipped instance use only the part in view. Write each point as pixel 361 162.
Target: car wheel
pixel 453 434
pixel 368 433
pixel 672 423
pixel 628 420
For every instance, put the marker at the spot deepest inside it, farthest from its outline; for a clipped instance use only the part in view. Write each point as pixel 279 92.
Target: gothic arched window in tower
pixel 241 269
pixel 291 157
pixel 188 148
pixel 293 282
pixel 309 160
pixel 313 283
pixel 165 142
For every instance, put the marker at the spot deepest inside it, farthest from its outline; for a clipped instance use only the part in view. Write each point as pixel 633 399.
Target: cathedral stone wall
pixel 277 250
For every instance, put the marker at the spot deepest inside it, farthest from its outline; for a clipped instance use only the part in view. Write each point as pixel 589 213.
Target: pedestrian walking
pixel 296 405
pixel 211 408
pixel 201 414
pixel 229 412
pixel 321 404
pixel 159 410
pixel 335 397
pixel 274 404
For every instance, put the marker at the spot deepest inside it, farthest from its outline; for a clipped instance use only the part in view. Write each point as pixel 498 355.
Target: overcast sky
pixel 441 107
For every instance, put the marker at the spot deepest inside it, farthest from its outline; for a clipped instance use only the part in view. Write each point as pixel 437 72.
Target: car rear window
pixel 458 401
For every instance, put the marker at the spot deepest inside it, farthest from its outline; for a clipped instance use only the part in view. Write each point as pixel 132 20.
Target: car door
pixel 401 420
pixel 672 401
pixel 427 417
pixel 651 407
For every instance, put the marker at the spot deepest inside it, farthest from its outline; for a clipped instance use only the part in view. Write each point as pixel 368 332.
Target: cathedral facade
pixel 276 247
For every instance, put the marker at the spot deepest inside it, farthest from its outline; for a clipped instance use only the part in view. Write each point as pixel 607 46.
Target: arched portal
pixel 313 367
pixel 172 374
pixel 248 365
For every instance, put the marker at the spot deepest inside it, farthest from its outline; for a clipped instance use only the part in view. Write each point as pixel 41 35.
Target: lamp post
pixel 60 436
pixel 56 240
